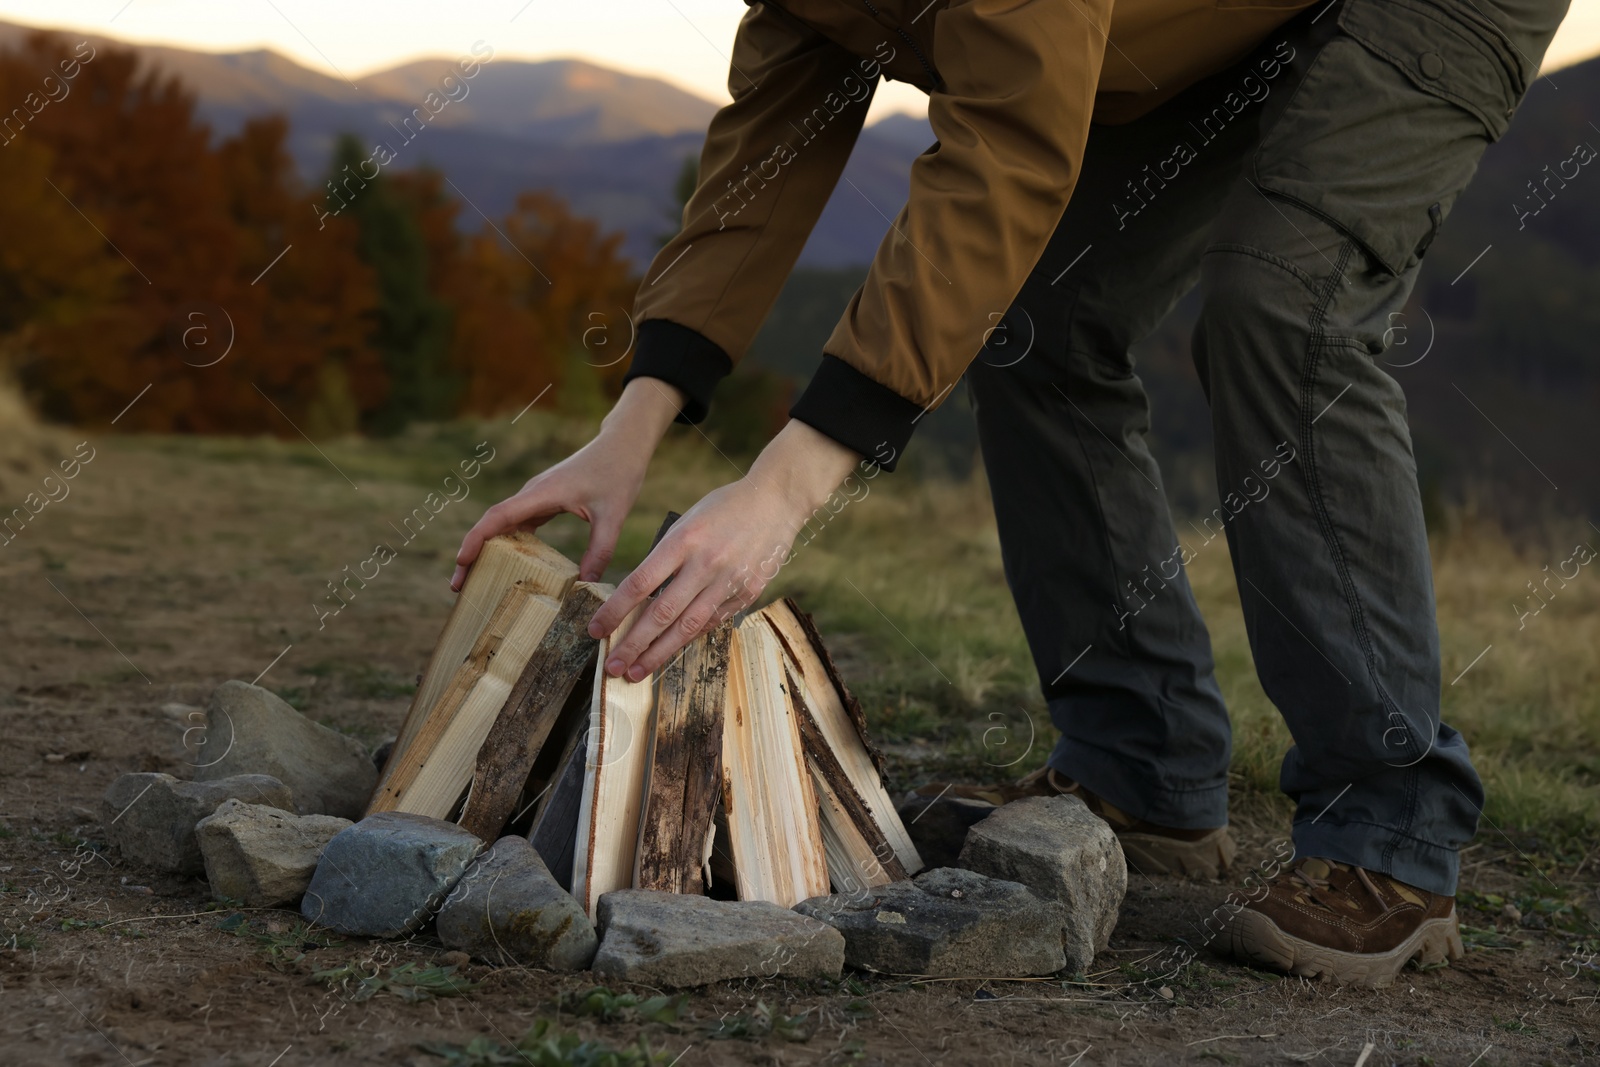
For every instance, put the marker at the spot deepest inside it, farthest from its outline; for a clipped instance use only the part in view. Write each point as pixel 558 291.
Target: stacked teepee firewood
pixel 741 769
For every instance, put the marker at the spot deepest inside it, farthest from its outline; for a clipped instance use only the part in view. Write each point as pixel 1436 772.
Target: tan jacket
pixel 1012 88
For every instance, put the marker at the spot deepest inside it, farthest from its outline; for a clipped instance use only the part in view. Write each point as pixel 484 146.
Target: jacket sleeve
pixel 1012 118
pixel 770 161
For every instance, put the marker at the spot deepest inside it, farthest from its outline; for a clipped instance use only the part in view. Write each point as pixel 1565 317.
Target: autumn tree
pixel 169 245
pixel 543 302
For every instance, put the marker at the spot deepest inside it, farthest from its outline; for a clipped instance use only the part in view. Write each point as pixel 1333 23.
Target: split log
pixel 685 767
pixel 519 732
pixel 517 556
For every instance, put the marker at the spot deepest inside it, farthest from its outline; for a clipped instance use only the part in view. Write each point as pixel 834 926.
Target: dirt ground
pixel 173 567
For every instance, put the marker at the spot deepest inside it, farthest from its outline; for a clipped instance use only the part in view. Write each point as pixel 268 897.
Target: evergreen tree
pixel 412 326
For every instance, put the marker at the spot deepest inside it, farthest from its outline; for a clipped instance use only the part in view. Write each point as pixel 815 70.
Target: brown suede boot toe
pixel 1322 918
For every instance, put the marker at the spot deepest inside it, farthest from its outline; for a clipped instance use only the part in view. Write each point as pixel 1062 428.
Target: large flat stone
pixel 151 818
pixel 946 922
pixel 263 856
pixel 508 910
pixel 674 939
pixel 250 730
pixel 1063 852
pixel 388 874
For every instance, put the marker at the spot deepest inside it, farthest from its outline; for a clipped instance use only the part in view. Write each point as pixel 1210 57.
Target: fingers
pixel 603 536
pixel 525 509
pixel 703 614
pixel 680 606
pixel 657 567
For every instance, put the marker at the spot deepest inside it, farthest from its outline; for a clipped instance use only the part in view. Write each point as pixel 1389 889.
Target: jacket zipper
pixel 933 75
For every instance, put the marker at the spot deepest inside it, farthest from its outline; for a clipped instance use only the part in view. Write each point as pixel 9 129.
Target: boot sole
pixel 1208 858
pixel 1256 939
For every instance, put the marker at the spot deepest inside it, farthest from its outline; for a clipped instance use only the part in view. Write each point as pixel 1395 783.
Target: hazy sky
pixel 683 41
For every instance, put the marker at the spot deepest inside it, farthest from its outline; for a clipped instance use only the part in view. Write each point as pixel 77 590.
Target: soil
pixel 166 573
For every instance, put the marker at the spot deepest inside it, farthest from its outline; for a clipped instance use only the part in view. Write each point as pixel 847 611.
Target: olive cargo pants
pixel 1300 189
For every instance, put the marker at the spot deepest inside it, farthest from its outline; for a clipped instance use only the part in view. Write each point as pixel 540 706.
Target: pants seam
pixel 1100 509
pixel 1308 379
pixel 1305 278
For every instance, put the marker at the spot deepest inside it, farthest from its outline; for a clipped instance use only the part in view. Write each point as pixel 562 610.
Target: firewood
pixel 865 838
pixel 613 786
pixel 429 778
pixel 774 830
pixel 684 771
pixel 859 855
pixel 555 821
pixel 506 559
pixel 519 731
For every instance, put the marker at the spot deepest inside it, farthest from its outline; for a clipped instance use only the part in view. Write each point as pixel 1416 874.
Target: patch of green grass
pixel 1488 939
pixel 763 1021
pixel 283 947
pixel 407 981
pixel 365 679
pixel 297 697
pixel 544 1046
pixel 1490 903
pixel 601 1003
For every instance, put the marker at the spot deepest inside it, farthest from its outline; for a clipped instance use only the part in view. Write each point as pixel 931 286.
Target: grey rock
pixel 676 940
pixel 508 910
pixel 1063 852
pixel 387 874
pixel 251 730
pixel 946 922
pixel 260 855
pixel 938 825
pixel 150 818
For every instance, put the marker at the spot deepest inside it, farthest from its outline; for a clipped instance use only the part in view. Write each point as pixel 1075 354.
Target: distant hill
pixel 609 143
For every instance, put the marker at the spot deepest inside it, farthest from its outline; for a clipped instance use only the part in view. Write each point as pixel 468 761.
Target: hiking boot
pixel 1353 925
pixel 1150 849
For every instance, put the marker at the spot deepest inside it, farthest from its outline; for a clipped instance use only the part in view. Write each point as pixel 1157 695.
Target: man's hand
pixel 723 551
pixel 597 483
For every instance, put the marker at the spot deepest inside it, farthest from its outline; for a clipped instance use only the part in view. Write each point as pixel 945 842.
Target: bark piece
pixel 685 767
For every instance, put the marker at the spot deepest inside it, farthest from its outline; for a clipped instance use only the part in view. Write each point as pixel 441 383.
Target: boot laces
pixel 1316 886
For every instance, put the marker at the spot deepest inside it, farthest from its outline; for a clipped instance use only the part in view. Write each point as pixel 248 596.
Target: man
pixel 1095 160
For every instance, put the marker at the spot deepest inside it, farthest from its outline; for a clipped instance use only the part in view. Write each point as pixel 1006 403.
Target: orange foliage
pixel 525 299
pixel 134 250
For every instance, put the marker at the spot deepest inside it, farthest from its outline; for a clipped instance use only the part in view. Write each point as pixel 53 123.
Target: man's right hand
pixel 597 483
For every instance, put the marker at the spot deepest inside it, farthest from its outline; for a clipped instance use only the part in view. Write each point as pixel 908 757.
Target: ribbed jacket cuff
pixel 682 357
pixel 857 412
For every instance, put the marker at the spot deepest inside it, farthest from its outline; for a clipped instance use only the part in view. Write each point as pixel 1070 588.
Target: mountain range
pixel 609 143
